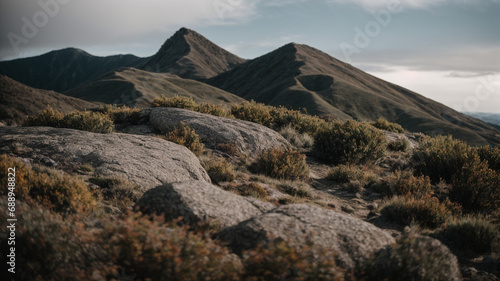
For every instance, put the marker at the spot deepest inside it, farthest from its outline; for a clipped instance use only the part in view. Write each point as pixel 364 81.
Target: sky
pixel 446 50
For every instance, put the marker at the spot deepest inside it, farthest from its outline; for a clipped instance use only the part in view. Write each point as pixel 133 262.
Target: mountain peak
pixel 190 55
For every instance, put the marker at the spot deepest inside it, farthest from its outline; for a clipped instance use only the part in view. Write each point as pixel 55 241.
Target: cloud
pixel 95 22
pixel 379 4
pixel 461 74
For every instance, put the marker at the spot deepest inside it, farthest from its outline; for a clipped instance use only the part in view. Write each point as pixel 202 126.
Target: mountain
pixel 492 118
pixel 299 76
pixel 135 87
pixel 18 101
pixel 190 55
pixel 63 69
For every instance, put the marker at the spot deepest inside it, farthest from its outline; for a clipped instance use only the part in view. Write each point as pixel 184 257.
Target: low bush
pixel 296 139
pixel 345 173
pixel 278 261
pixel 228 147
pixel 415 258
pixel 428 213
pixel 184 135
pixel 80 120
pixel 147 249
pixel 490 154
pixel 248 189
pixel 471 235
pixel 476 188
pixel 399 145
pixel 298 189
pixel 176 101
pixel 441 157
pixel 405 184
pixel 299 121
pixel 350 142
pixel 54 190
pixel 120 115
pixel 119 192
pixel 219 169
pixel 282 164
pixel 387 126
pixel 253 112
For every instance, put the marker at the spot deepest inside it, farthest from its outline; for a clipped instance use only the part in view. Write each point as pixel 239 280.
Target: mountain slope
pixel 18 101
pixel 190 55
pixel 63 69
pixel 134 87
pixel 300 76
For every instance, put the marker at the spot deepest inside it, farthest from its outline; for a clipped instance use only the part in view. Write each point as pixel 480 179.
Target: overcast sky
pixel 447 50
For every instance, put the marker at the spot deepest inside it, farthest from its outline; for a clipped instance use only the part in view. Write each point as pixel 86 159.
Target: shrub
pixel 413 258
pixel 216 110
pixel 302 123
pixel 471 234
pixel 345 173
pixel 282 164
pixel 56 191
pixel 229 148
pixel 123 114
pixel 404 183
pixel 149 250
pixel 278 261
pixel 184 135
pixel 490 154
pixel 248 189
pixel 219 170
pixel 120 192
pixel 253 112
pixel 297 139
pixel 441 157
pixel 476 187
pixel 176 101
pixel 387 126
pixel 349 142
pixel 48 247
pixel 399 145
pixel 298 189
pixel 80 120
pixel 429 213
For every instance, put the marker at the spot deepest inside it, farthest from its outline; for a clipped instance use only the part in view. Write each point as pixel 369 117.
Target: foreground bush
pixel 253 112
pixel 119 192
pixel 350 142
pixel 219 169
pixel 282 164
pixel 490 154
pixel 387 126
pixel 441 157
pixel 428 213
pixel 471 235
pixel 146 249
pixel 476 187
pixel 413 258
pixel 80 120
pixel 57 192
pixel 190 104
pixel 296 139
pixel 399 145
pixel 404 183
pixel 184 135
pixel 279 261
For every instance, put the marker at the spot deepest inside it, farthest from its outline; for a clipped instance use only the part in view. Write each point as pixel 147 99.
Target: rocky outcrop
pixel 147 161
pixel 250 138
pixel 350 238
pixel 199 201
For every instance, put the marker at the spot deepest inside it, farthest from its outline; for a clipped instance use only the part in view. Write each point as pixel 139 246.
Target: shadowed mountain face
pixel 134 87
pixel 299 76
pixel 63 69
pixel 190 55
pixel 17 101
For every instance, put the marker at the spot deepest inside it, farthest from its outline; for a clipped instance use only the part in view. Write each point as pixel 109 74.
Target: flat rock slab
pixel 147 161
pixel 250 138
pixel 350 238
pixel 199 201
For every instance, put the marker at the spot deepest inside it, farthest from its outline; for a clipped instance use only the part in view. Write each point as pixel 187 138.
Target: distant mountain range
pixel 492 118
pixel 295 76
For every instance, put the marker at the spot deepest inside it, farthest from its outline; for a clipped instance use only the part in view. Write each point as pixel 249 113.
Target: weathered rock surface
pixel 147 161
pixel 352 239
pixel 250 138
pixel 199 201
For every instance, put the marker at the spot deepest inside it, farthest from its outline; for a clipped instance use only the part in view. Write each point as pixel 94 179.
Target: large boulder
pixel 147 161
pixel 300 224
pixel 199 201
pixel 250 138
